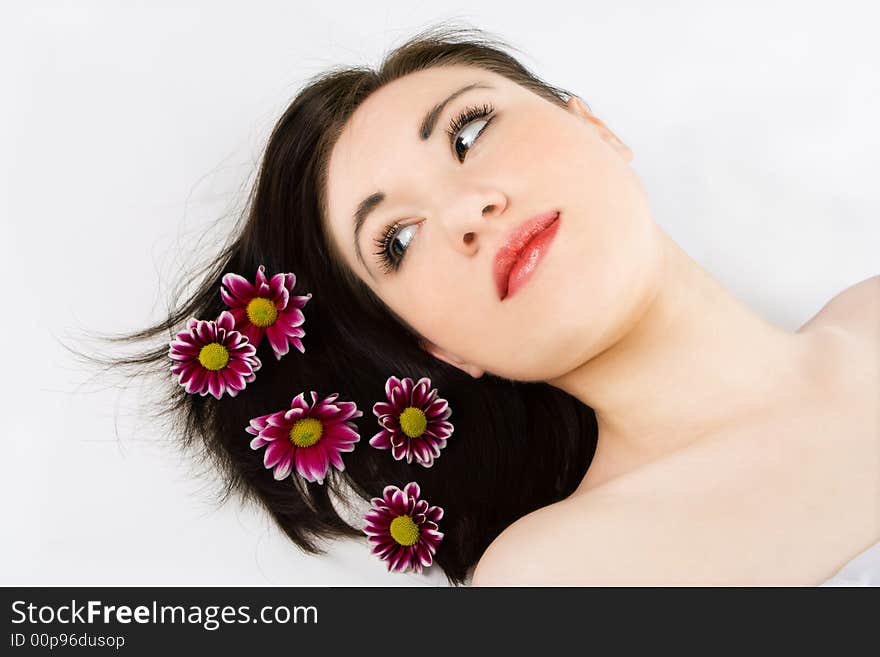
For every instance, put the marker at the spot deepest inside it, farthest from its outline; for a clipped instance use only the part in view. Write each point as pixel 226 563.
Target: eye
pixel 390 253
pixel 467 126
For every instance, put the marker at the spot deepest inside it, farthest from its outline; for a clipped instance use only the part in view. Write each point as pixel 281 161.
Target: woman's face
pixel 455 205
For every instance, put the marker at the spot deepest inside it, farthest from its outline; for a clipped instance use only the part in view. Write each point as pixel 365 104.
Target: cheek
pixel 437 297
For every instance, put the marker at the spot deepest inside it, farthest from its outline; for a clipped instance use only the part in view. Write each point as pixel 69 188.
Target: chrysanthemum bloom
pixel 211 357
pixel 403 528
pixel 310 437
pixel 413 421
pixel 266 307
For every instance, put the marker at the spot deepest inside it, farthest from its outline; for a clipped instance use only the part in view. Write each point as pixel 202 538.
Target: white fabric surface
pixel 862 570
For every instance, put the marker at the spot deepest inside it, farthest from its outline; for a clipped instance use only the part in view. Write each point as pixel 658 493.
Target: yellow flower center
pixel 404 530
pixel 413 422
pixel 306 432
pixel 262 312
pixel 214 356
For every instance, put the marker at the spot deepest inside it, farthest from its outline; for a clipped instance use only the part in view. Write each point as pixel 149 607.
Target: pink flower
pixel 403 528
pixel 211 357
pixel 413 422
pixel 308 437
pixel 266 308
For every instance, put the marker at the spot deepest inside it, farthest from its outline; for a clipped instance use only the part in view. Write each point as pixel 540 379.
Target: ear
pixel 453 360
pixel 577 107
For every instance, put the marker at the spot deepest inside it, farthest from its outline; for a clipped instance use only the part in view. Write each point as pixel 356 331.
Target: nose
pixel 469 219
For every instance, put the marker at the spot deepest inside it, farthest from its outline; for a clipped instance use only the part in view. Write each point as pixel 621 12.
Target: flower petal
pixel 437 409
pixel 383 408
pixel 392 383
pixel 278 340
pixel 420 392
pixel 276 451
pixel 284 468
pixel 226 321
pixel 412 490
pixel 381 440
pixel 240 291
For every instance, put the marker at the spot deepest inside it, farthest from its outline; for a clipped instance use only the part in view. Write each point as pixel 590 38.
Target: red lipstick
pixel 521 252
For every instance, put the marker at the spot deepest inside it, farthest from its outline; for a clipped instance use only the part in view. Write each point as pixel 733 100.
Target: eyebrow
pixel 426 128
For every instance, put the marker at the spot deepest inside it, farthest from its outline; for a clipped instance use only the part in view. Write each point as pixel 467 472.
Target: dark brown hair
pixel 517 446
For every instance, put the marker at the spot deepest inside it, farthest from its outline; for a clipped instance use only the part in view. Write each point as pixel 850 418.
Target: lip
pixel 525 241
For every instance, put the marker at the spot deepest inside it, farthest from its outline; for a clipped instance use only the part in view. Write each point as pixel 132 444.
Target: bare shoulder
pixel 602 538
pixel 570 543
pixel 522 553
pixel 856 310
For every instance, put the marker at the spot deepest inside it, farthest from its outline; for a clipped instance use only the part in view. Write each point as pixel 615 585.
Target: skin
pixel 616 314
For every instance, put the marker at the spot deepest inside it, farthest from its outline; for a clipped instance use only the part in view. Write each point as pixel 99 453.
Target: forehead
pixel 379 144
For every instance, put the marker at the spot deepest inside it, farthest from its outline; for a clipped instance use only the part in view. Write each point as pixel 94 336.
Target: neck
pixel 693 360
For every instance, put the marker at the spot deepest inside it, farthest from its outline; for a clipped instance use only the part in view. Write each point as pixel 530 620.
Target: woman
pixel 619 417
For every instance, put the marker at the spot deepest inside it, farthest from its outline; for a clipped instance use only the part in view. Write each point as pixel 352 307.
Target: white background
pixel 126 133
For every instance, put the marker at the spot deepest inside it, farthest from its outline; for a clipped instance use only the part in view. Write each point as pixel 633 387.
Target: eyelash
pixel 456 125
